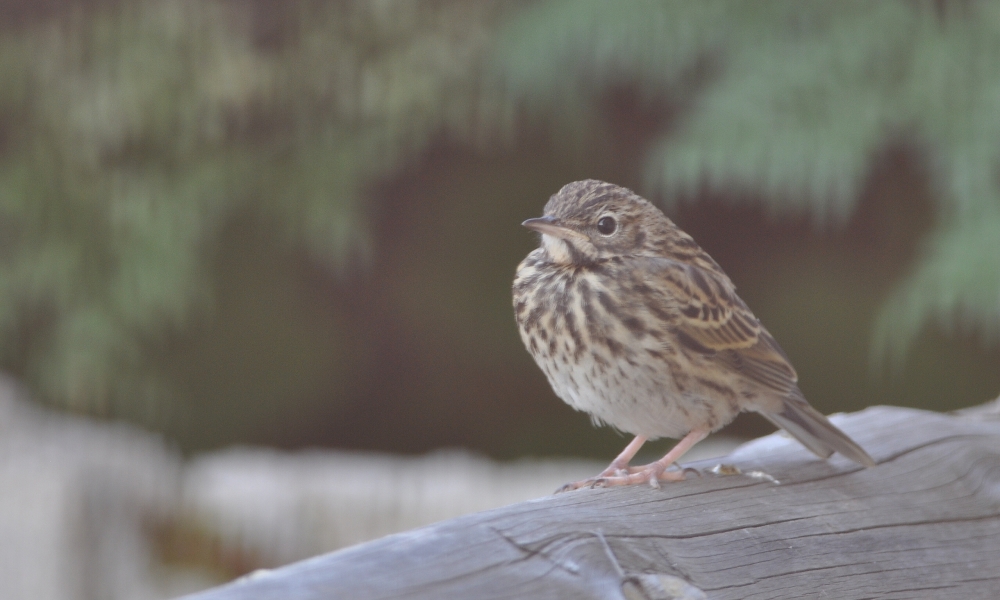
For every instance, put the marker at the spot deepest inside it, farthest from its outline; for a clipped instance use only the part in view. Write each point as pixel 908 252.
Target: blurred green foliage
pixel 133 132
pixel 792 102
pixel 261 219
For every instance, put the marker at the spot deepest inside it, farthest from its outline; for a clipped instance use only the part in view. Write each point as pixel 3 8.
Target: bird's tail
pixel 815 431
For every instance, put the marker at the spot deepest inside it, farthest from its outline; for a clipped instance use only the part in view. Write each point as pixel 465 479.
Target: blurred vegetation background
pixel 296 222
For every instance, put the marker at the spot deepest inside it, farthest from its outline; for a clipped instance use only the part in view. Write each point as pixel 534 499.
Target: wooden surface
pixel 924 523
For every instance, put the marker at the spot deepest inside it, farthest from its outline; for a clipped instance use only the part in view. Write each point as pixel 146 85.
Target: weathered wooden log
pixel 924 523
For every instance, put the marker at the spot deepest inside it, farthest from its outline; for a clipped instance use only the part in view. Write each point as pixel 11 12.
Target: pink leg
pixel 655 471
pixel 652 473
pixel 620 464
pixel 618 467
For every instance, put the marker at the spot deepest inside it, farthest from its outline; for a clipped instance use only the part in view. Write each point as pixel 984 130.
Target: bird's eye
pixel 606 225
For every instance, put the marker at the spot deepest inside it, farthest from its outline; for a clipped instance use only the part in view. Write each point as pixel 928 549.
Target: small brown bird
pixel 634 323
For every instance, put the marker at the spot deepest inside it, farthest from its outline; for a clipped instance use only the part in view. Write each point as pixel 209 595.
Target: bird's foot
pixel 644 467
pixel 652 474
pixel 617 468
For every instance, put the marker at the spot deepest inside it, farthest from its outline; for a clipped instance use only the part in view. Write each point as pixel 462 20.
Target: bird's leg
pixel 619 473
pixel 655 472
pixel 619 466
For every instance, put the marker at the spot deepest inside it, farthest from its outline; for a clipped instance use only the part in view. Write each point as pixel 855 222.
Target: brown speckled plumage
pixel 633 323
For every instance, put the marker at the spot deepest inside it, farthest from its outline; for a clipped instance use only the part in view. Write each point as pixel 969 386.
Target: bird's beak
pixel 549 226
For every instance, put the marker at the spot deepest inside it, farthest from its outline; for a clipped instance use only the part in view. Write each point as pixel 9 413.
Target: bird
pixel 635 324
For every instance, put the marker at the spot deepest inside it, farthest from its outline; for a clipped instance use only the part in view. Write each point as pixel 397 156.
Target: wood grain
pixel 924 523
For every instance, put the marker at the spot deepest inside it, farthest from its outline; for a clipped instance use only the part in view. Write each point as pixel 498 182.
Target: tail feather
pixel 816 432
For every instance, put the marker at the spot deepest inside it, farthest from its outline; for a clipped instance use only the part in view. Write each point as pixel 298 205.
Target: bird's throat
pixel 566 252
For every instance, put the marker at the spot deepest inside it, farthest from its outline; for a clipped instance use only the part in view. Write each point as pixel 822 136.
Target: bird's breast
pixel 602 339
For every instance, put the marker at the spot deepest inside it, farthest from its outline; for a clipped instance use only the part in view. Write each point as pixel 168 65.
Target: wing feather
pixel 710 311
pixel 712 319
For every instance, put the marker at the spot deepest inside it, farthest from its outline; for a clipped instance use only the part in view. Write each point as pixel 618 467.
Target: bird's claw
pixel 593 482
pixel 569 487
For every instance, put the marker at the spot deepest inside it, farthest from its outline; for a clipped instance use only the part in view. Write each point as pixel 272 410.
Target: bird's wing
pixel 715 322
pixel 712 319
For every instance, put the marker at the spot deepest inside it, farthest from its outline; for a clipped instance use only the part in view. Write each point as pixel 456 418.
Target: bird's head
pixel 589 221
